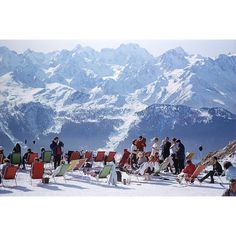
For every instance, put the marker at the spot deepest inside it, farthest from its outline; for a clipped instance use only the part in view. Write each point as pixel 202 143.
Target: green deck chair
pixel 61 172
pixel 15 159
pixel 106 170
pixel 47 157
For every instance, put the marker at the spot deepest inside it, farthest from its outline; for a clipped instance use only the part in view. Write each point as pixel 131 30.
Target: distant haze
pixel 210 48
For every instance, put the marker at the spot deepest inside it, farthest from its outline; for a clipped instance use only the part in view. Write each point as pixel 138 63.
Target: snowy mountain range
pixel 96 99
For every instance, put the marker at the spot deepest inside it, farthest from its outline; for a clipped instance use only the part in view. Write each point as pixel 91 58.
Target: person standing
pixel 180 154
pixel 166 148
pixel 155 148
pixel 173 151
pixel 140 143
pixel 56 147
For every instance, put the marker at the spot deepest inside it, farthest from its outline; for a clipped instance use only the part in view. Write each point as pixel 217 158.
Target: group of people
pixel 56 149
pixel 174 150
pixel 171 151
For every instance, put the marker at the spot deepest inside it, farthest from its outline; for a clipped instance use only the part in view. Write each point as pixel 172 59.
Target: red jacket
pixel 140 144
pixel 189 169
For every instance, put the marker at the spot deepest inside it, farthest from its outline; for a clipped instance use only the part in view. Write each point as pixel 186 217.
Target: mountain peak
pixel 178 50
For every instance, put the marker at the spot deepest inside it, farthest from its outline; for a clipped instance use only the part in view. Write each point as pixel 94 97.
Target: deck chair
pixel 47 159
pixel 75 156
pixel 30 158
pixel 190 156
pixel 100 156
pixel 9 174
pixel 110 157
pixel 103 174
pixel 72 165
pixel 15 159
pixel 60 172
pixel 88 155
pixel 198 170
pixel 37 171
pixel 80 164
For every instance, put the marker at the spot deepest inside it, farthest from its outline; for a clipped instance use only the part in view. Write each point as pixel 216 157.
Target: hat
pixel 154 139
pixel 1 148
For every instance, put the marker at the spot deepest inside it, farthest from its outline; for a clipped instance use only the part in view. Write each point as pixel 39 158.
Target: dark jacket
pixel 180 154
pixel 217 168
pixel 56 148
pixel 166 149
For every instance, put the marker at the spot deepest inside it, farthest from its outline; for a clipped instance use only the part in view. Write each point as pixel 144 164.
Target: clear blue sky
pixel 210 48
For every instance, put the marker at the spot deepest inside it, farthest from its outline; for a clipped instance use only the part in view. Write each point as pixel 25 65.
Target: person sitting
pixel 4 166
pixel 217 170
pixel 42 150
pixel 230 171
pixel 231 191
pixel 187 172
pixel 141 158
pixel 25 158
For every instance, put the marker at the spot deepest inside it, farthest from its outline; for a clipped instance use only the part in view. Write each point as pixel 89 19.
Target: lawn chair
pixel 88 155
pixel 100 156
pixel 80 164
pixel 60 172
pixel 110 157
pixel 104 173
pixel 72 165
pixel 9 174
pixel 198 170
pixel 75 156
pixel 15 158
pixel 37 171
pixel 30 158
pixel 47 159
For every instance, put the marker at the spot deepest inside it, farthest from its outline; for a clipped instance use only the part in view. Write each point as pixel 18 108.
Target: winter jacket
pixel 56 148
pixel 230 173
pixel 173 148
pixel 217 168
pixel 180 153
pixel 189 169
pixel 166 149
pixel 140 144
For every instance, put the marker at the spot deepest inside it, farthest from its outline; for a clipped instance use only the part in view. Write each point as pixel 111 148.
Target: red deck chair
pixel 9 174
pixel 100 156
pixel 124 159
pixel 88 155
pixel 75 156
pixel 110 157
pixel 37 171
pixel 30 158
pixel 197 171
